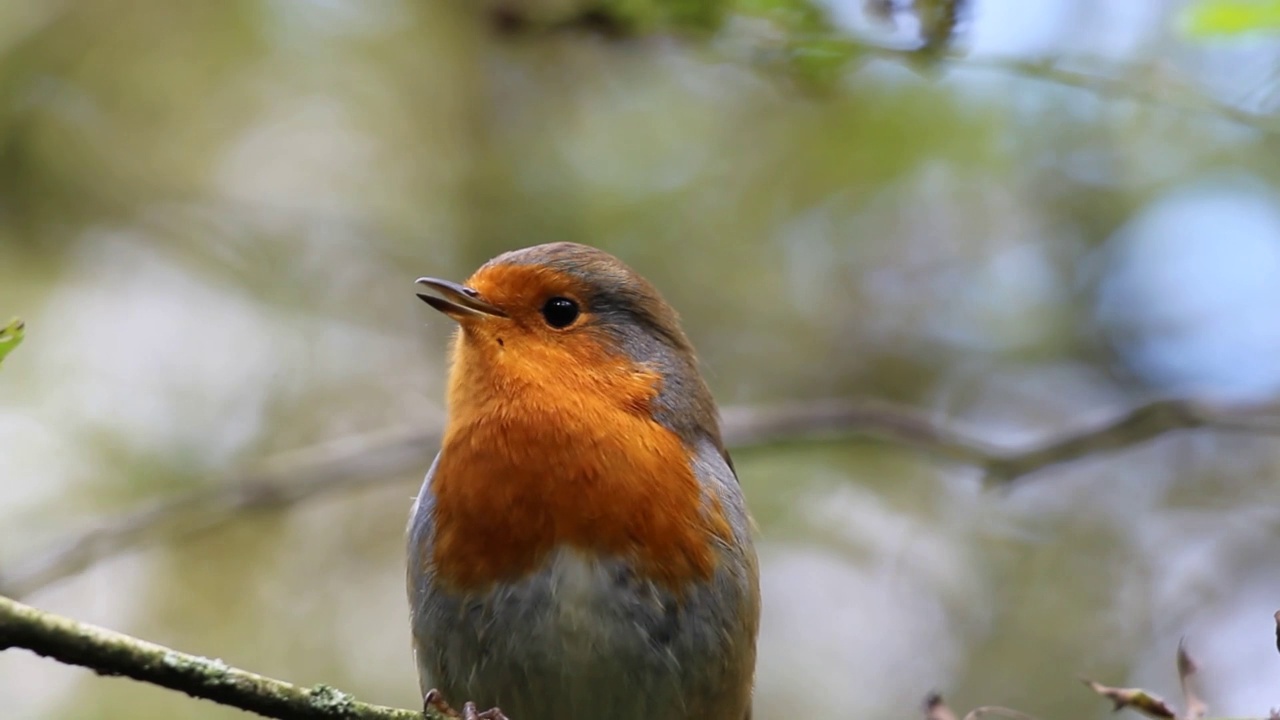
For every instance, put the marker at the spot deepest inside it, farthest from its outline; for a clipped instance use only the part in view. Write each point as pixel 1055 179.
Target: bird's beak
pixel 456 301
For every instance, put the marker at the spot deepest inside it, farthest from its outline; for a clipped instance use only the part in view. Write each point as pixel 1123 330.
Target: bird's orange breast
pixel 536 460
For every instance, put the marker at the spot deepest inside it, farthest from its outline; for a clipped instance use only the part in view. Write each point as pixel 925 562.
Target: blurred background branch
pixel 367 461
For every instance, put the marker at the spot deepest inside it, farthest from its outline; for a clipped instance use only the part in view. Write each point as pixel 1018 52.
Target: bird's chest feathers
pixel 530 466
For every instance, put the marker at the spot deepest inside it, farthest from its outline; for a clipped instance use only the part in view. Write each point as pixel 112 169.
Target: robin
pixel 580 547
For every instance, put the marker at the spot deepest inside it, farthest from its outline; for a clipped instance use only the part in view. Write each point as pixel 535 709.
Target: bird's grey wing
pixel 735 604
pixel 418 572
pixel 422 520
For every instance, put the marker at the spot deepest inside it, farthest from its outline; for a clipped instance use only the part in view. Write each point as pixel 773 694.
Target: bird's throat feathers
pixel 546 449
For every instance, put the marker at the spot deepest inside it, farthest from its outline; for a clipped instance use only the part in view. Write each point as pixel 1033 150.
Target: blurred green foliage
pixel 11 337
pixel 651 15
pixel 1218 18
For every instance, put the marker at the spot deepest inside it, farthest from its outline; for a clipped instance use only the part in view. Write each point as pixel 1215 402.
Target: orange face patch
pixel 551 442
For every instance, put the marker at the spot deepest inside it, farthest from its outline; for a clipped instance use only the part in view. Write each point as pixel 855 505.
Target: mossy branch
pixel 111 653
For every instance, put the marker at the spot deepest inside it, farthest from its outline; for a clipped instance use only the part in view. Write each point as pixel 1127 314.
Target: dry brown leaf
pixel 1195 707
pixel 1278 630
pixel 1144 702
pixel 936 709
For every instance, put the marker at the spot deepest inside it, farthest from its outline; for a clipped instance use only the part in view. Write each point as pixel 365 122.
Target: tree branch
pixel 370 461
pixel 806 422
pixel 112 653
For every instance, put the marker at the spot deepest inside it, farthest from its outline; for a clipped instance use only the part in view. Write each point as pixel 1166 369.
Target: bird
pixel 581 546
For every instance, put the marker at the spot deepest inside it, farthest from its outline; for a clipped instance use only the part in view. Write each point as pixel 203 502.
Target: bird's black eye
pixel 560 312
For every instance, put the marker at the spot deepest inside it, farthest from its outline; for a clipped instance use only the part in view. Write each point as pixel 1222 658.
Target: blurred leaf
pixel 1214 18
pixel 10 337
pixel 1152 706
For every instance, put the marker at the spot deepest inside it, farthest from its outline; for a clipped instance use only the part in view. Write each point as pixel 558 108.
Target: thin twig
pixel 111 653
pixel 1143 87
pixel 1130 83
pixel 368 461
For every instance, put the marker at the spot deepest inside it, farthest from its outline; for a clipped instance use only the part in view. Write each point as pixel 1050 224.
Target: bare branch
pixel 807 422
pixel 1138 426
pixel 111 653
pixel 368 461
